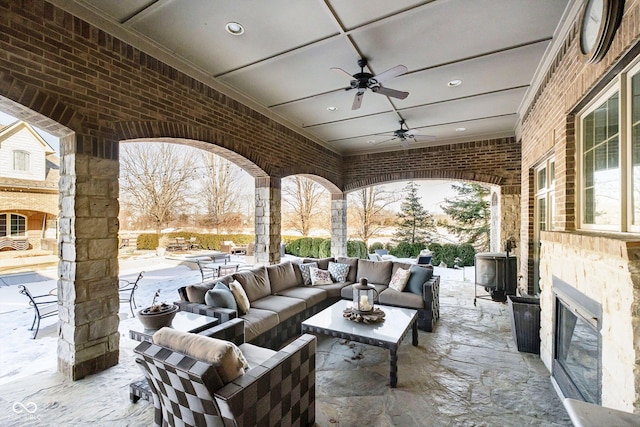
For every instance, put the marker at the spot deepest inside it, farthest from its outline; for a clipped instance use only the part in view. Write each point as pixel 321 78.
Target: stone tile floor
pixel 467 373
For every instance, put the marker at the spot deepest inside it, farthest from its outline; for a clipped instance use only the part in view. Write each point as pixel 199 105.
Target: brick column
pixel 338 225
pixel 268 219
pixel 88 250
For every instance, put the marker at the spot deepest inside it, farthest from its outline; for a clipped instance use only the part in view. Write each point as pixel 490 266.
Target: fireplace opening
pixel 577 351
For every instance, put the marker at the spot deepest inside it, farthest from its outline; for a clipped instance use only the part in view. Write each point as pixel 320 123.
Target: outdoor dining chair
pixel 43 306
pixel 127 290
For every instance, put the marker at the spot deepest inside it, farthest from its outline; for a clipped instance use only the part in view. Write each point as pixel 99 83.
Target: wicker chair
pixel 279 391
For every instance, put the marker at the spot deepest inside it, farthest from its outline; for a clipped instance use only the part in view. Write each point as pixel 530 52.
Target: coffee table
pixel 388 334
pixel 184 321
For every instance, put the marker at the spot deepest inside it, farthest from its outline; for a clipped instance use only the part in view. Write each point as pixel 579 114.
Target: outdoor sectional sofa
pixel 279 300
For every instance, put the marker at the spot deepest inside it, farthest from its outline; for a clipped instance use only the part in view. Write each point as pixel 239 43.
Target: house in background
pixel 29 173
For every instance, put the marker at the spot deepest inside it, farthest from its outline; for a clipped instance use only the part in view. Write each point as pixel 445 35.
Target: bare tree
pixel 304 197
pixel 154 179
pixel 367 207
pixel 222 191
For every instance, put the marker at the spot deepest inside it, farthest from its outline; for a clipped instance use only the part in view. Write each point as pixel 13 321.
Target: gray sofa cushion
pixel 296 269
pixel 353 267
pixel 323 263
pixel 347 291
pixel 310 295
pixel 401 299
pixel 285 307
pixel 196 293
pixel 220 296
pixel 376 272
pixel 258 321
pixel 282 276
pixel 332 290
pixel 255 283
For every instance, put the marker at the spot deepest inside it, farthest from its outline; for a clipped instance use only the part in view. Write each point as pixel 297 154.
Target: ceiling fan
pixel 363 80
pixel 404 134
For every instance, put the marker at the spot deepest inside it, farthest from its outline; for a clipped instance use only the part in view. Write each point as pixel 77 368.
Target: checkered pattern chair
pixel 187 392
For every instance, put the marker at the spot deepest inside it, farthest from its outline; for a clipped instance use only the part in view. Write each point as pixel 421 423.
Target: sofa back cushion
pixel 224 355
pixel 353 267
pixel 255 283
pixel 282 276
pixel 419 275
pixel 323 263
pixel 378 272
pixel 196 293
pixel 296 268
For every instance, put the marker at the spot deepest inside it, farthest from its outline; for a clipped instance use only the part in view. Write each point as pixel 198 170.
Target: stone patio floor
pixel 466 373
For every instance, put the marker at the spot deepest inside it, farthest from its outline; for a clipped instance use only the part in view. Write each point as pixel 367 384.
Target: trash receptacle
pixel 525 323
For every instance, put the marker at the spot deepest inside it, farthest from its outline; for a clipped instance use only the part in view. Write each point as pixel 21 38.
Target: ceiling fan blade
pixel 405 143
pixel 357 100
pixel 390 73
pixel 390 92
pixel 424 138
pixel 412 132
pixel 340 70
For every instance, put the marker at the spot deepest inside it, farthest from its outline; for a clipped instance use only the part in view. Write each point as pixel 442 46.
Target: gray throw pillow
pixel 306 273
pixel 419 275
pixel 338 271
pixel 220 296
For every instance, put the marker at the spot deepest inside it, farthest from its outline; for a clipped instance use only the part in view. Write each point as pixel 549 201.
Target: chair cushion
pixel 419 275
pixel 196 293
pixel 306 273
pixel 320 277
pixel 240 296
pixel 378 272
pixel 338 271
pixel 224 355
pixel 282 276
pixel 221 296
pixel 399 279
pixel 256 355
pixel 353 267
pixel 255 283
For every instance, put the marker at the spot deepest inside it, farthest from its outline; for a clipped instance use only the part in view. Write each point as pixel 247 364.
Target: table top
pixel 184 321
pixel 392 330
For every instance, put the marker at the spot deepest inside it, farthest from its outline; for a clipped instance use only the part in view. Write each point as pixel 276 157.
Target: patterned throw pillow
pixel 338 271
pixel 241 297
pixel 306 274
pixel 400 279
pixel 320 277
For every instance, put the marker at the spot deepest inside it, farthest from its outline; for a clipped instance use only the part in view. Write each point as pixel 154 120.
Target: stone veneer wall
pixel 607 270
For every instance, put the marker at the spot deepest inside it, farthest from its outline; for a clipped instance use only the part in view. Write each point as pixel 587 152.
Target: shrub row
pixel 206 241
pixel 448 253
pixel 318 247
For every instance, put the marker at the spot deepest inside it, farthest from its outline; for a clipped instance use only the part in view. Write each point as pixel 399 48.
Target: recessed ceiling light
pixel 454 83
pixel 371 141
pixel 460 129
pixel 234 28
pixel 332 108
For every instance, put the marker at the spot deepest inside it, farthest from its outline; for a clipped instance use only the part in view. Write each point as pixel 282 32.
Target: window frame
pixel 26 159
pixel 8 224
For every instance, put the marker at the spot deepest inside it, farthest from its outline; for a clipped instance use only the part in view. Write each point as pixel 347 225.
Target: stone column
pixel 338 225
pixel 268 219
pixel 88 249
pixel 494 235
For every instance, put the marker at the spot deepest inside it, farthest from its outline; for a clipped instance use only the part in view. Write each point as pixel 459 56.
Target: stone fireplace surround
pixel 606 269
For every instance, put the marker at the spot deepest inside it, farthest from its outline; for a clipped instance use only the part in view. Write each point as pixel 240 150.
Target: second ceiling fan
pixel 363 80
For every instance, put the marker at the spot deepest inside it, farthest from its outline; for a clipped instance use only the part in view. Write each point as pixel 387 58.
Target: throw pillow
pixel 338 271
pixel 306 274
pixel 320 277
pixel 220 296
pixel 241 297
pixel 419 275
pixel 196 293
pixel 400 279
pixel 224 355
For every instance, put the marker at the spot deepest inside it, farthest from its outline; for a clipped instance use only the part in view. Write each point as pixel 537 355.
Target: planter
pixel 157 319
pixel 525 323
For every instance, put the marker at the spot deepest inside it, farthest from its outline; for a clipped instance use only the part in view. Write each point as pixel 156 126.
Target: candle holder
pixel 364 296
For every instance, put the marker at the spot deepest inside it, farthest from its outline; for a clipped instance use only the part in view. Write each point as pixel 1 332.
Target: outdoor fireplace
pixel 577 350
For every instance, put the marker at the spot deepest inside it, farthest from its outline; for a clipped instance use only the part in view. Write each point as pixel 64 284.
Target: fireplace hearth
pixel 577 361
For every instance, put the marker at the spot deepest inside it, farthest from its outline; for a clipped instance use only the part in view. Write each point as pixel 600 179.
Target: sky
pixel 431 192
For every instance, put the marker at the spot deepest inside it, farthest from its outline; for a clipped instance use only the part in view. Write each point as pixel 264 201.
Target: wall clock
pixel 600 20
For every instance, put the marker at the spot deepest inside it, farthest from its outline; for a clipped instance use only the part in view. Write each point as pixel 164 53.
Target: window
pixel 20 161
pixel 13 225
pixel 609 158
pixel 545 195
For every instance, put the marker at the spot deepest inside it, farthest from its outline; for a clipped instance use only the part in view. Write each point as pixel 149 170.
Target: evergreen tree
pixel 471 215
pixel 415 224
